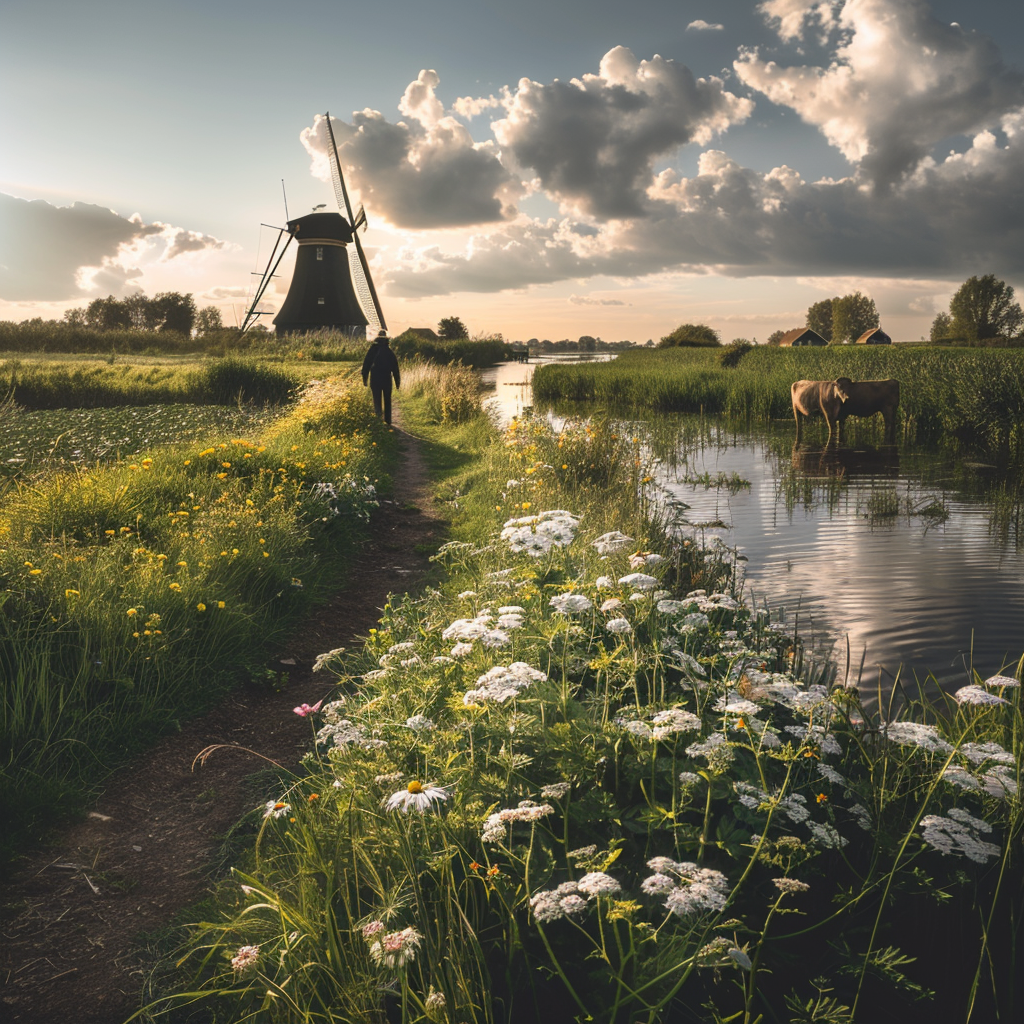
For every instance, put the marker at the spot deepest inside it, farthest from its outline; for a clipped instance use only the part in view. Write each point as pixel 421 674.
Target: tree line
pixel 165 311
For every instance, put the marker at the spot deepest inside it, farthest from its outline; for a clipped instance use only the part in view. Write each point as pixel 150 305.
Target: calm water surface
pixel 902 552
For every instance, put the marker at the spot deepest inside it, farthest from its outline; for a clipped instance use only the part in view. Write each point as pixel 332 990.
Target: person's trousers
pixel 382 396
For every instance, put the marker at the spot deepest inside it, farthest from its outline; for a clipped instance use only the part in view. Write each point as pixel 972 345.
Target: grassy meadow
pixel 967 396
pixel 580 778
pixel 140 585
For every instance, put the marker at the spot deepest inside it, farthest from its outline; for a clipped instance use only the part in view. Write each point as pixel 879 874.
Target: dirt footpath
pixel 71 916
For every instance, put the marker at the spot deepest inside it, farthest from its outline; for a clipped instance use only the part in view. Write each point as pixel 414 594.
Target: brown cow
pixel 839 399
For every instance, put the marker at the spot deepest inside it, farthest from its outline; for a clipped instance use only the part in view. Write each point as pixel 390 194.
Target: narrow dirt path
pixel 72 914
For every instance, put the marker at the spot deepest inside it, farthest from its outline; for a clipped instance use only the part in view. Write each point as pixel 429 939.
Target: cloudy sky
pixel 540 169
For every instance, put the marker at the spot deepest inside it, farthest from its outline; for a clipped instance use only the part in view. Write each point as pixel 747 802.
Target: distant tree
pixel 819 317
pixel 108 314
pixel 942 327
pixel 691 336
pixel 450 328
pixel 983 308
pixel 208 319
pixel 852 315
pixel 172 311
pixel 776 336
pixel 586 343
pixel 76 317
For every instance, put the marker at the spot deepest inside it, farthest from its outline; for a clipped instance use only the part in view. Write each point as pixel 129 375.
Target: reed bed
pixel 133 593
pixel 581 778
pixel 973 397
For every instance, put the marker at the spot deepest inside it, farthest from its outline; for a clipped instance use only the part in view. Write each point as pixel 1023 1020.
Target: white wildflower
pixel 323 659
pixel 556 791
pixel 467 594
pixel 510 622
pixel 644 559
pixel 997 782
pixel 826 771
pixel 690 778
pixel 417 796
pixel 668 607
pixel 961 777
pixel 976 695
pixel 495 638
pixel 499 684
pixel 276 809
pixel 443 659
pixel 603 583
pixel 916 734
pixel 861 816
pixel 978 753
pixel 658 885
pixel 957 834
pixel 611 605
pixel 494 826
pixel 639 580
pixel 672 721
pixel 572 904
pixel 402 648
pixel 461 649
pixel 696 620
pixel 618 626
pixel 597 883
pixel 419 723
pixel 245 958
pixel 396 949
pixel 995 682
pixel 790 885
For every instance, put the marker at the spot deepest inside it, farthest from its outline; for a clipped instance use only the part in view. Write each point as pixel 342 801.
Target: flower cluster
pixel 392 949
pixel 501 683
pixel 687 888
pixel 537 535
pixel 494 829
pixel 957 834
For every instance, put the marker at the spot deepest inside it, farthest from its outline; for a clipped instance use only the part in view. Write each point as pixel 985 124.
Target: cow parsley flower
pixel 826 771
pixel 979 753
pixel 826 836
pixel 673 721
pixel 999 682
pixel 916 734
pixel 611 605
pixel 957 834
pixel 328 656
pixel 608 543
pixel 419 723
pixel 494 826
pixel 658 885
pixel 499 684
pixel 619 626
pixel 556 791
pixel 790 885
pixel 644 559
pixel 706 892
pixel 597 883
pixel 977 696
pixel 396 949
pixel 998 783
pixel 639 580
pixel 961 777
pixel 669 607
pixel 603 583
pixel 695 620
pixel 461 649
pixel 571 604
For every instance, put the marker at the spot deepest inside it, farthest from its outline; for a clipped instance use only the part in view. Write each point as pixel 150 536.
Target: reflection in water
pixel 837 461
pixel 888 549
pixel 913 556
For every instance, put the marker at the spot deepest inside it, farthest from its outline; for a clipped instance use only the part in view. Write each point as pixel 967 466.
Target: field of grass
pixel 967 396
pixel 137 591
pixel 581 779
pixel 322 346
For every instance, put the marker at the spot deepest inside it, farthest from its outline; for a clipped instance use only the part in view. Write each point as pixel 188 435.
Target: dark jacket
pixel 380 365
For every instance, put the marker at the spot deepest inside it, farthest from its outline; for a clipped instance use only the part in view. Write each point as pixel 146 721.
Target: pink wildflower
pixel 304 709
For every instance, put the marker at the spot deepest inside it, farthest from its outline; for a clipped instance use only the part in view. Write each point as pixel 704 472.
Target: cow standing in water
pixel 380 365
pixel 839 399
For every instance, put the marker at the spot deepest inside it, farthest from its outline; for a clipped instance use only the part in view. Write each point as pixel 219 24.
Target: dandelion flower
pixel 417 796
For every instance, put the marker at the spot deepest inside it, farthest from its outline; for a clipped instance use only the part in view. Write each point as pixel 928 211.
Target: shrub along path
pixel 73 914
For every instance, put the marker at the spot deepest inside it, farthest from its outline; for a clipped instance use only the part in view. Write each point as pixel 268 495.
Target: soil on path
pixel 72 915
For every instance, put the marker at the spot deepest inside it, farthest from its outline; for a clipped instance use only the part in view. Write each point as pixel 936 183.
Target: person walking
pixel 380 365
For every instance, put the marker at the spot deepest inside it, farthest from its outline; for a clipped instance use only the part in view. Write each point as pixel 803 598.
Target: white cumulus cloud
pixel 592 141
pixel 700 25
pixel 899 83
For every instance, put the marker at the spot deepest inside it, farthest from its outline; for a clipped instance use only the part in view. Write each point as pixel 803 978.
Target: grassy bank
pixel 967 396
pixel 580 779
pixel 135 592
pixel 322 346
pixel 229 381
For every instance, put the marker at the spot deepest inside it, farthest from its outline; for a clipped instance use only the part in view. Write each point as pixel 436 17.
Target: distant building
pixel 876 336
pixel 423 333
pixel 801 336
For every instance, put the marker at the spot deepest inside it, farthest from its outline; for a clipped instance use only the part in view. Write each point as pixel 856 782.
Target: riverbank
pixel 961 396
pixel 578 776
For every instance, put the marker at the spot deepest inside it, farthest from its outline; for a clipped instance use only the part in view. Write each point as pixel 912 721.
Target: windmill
pixel 331 287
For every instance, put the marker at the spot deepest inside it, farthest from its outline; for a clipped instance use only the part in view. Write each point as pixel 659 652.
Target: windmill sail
pixel 361 278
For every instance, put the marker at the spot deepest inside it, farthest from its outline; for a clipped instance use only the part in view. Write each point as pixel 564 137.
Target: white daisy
pixel 415 795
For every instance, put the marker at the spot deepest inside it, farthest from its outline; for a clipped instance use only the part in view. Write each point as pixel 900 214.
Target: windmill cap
pixel 382 334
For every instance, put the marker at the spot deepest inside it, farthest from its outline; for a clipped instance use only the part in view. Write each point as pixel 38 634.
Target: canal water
pixel 914 558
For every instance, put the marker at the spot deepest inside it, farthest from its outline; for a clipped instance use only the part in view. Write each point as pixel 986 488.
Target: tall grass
pixel 135 592
pixel 450 392
pixel 226 381
pixel 964 396
pixel 667 814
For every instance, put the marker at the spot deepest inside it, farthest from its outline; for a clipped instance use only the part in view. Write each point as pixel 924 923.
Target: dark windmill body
pixel 331 287
pixel 321 296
